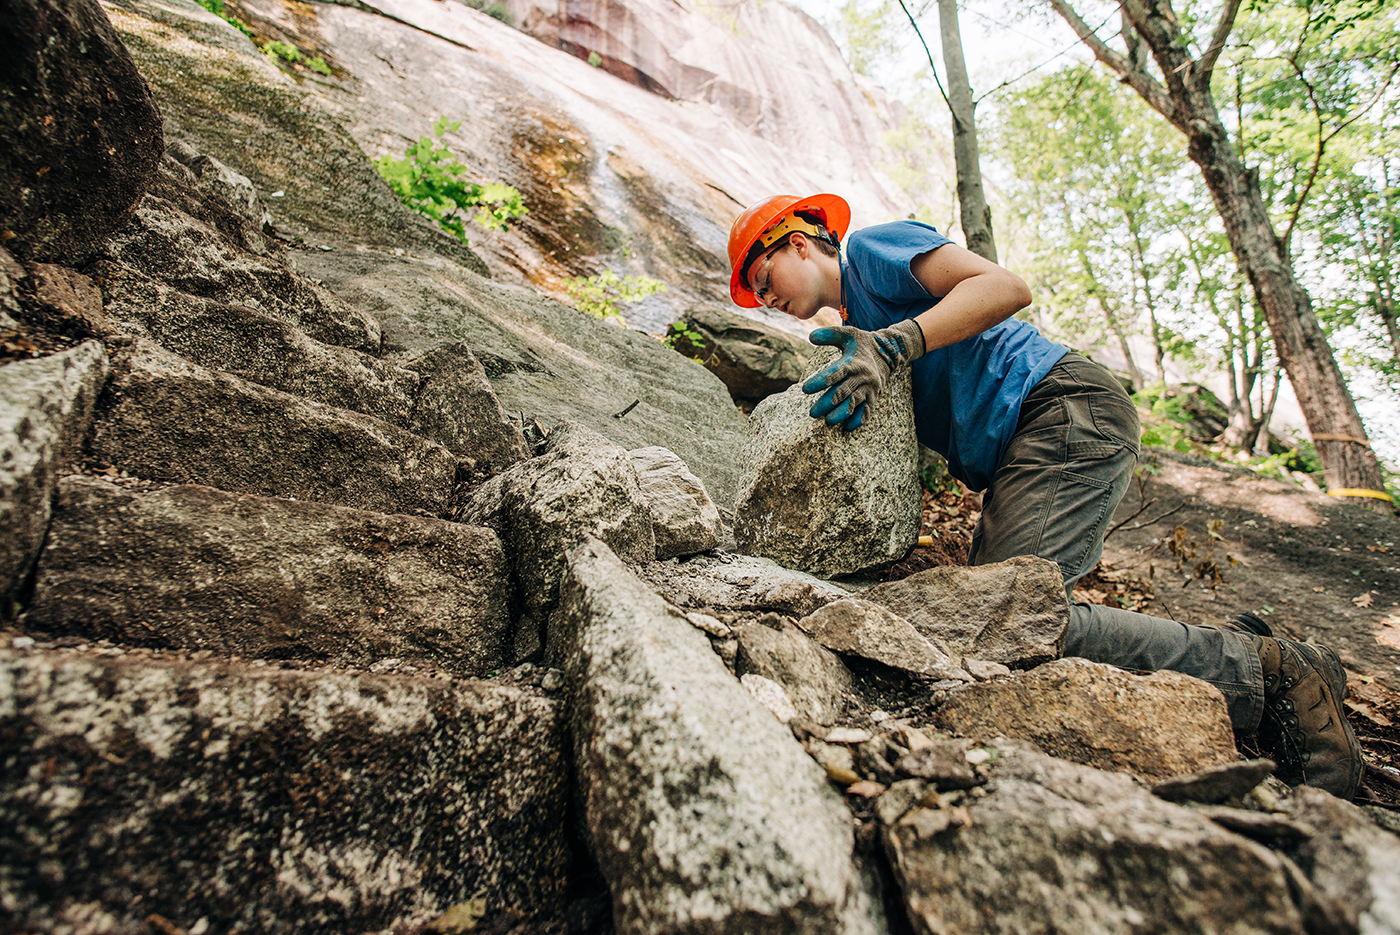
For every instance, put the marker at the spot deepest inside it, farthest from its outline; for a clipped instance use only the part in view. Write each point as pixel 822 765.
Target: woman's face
pixel 786 279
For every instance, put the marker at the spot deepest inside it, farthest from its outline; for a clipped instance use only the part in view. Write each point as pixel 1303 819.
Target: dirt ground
pixel 1198 542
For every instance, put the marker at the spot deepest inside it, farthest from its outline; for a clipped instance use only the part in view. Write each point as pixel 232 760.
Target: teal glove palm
pixel 858 377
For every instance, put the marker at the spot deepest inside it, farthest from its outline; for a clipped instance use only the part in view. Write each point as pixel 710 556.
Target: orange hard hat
pixel 763 218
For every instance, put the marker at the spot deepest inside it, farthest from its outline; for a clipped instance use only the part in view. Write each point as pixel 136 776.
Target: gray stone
pixel 1353 864
pixel 456 407
pixel 1158 726
pixel 816 681
pixel 738 583
pixel 824 500
pixel 855 627
pixel 259 347
pixel 222 795
pixel 199 245
pixel 683 516
pixel 984 671
pixel 753 359
pixel 45 410
pixel 583 485
pixel 82 132
pixel 165 419
pixel 1013 612
pixel 771 695
pixel 945 763
pixel 702 811
pixel 1215 784
pixel 197 568
pixel 549 362
pixel 64 301
pixel 1051 846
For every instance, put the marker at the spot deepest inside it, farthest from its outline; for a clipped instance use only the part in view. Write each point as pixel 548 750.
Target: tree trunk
pixel 974 214
pixel 1185 99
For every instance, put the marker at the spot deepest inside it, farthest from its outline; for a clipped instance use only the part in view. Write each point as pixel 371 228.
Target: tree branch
pixel 1206 65
pixel 1144 84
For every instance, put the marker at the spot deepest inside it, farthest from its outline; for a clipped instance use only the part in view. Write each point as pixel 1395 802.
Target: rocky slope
pixel 348 590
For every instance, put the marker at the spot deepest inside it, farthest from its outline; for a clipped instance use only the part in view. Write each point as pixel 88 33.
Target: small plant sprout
pixel 283 50
pixel 594 58
pixel 431 181
pixel 600 295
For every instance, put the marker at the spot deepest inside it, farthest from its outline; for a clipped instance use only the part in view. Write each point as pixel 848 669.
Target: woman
pixel 1050 437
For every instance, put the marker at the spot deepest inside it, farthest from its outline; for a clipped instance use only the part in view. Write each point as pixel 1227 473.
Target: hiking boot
pixel 1248 623
pixel 1303 723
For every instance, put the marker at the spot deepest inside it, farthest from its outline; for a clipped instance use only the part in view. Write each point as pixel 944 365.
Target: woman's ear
pixel 800 243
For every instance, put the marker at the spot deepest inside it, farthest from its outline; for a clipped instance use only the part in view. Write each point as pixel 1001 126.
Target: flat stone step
pixel 165 418
pixel 225 797
pixel 197 568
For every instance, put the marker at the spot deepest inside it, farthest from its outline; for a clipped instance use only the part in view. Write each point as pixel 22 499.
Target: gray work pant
pixel 1064 473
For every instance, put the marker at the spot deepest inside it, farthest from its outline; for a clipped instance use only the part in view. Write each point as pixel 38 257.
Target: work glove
pixel 867 360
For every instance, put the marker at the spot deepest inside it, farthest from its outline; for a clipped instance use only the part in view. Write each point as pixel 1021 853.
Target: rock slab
pixel 1051 846
pixel 824 500
pixel 1158 726
pixel 739 583
pixel 45 410
pixel 166 419
pixel 195 568
pixel 855 627
pixel 82 131
pixel 1012 612
pixel 683 517
pixel 224 796
pixel 814 679
pixel 703 812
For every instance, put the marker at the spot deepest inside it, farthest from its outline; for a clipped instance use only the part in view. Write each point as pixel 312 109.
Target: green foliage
pixel 318 65
pixel 1169 419
pixel 283 50
pixel 683 331
pixel 600 295
pixel 218 8
pixel 429 179
pixel 595 59
pixel 493 8
pixel 935 478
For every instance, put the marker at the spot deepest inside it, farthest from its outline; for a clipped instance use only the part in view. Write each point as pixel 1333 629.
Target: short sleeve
pixel 882 255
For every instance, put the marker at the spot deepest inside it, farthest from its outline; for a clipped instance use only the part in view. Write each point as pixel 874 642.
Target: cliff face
pixel 641 174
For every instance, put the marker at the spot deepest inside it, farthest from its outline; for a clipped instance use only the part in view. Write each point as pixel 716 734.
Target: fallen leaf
pixel 1363 600
pixel 1376 548
pixel 1319 589
pixel 866 787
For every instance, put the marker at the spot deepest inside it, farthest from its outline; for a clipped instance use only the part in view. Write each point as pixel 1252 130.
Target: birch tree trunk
pixel 974 214
pixel 1183 96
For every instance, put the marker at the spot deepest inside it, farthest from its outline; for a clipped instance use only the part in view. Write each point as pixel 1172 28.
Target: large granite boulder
pixel 1157 726
pixel 1012 612
pixel 196 568
pixel 146 795
pixel 825 500
pixel 582 485
pixel 164 418
pixel 683 516
pixel 752 358
pixel 45 411
pixel 702 811
pixel 1050 846
pixel 82 132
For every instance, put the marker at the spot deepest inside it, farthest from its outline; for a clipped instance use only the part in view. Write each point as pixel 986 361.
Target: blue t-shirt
pixel 967 396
